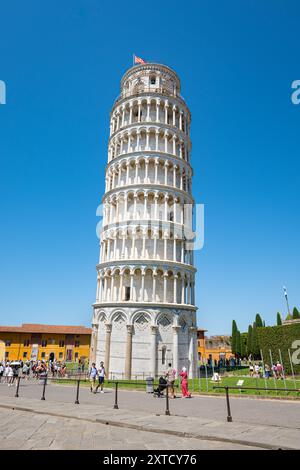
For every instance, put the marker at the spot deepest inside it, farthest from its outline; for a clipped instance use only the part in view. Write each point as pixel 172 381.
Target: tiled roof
pixel 42 328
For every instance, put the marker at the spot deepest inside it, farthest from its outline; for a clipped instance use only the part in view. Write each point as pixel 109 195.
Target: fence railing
pixel 227 388
pixel 148 384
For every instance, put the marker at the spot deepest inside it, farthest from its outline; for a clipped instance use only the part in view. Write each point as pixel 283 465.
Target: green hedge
pixel 279 337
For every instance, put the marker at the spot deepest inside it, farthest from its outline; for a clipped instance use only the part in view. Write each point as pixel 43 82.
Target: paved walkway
pixel 244 410
pixel 194 424
pixel 46 432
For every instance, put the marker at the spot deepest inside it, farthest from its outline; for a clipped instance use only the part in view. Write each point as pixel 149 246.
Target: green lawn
pixel 203 386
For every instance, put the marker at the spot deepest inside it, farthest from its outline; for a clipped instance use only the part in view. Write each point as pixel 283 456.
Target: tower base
pixel 137 341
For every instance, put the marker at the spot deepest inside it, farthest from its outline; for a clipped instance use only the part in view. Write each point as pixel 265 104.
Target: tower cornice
pixel 150 187
pixel 154 95
pixel 148 154
pixel 166 264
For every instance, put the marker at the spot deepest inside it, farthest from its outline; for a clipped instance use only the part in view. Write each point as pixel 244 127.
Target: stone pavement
pixel 284 414
pixel 123 428
pixel 20 430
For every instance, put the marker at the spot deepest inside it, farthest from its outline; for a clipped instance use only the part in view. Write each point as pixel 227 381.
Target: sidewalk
pixel 263 436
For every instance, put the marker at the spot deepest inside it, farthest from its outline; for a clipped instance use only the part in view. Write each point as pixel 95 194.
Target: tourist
pixel 171 376
pixel 101 376
pixel 251 369
pixel 274 370
pixel 267 371
pixel 63 370
pixel 279 370
pixel 93 375
pixel 26 370
pixel 9 373
pixel 184 383
pixel 1 371
pixel 256 368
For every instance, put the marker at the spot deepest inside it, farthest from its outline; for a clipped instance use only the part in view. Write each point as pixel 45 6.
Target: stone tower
pixel 145 314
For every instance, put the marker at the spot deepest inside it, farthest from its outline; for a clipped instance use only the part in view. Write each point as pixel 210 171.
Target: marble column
pixel 128 357
pixel 108 327
pixel 153 347
pixel 175 348
pixel 94 340
pixel 192 358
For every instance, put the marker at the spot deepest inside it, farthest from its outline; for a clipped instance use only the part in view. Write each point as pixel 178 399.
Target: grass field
pixel 273 388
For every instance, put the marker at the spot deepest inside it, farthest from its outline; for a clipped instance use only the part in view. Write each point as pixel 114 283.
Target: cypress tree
pixel 255 345
pixel 258 321
pixel 279 321
pixel 238 343
pixel 249 340
pixel 296 313
pixel 243 344
pixel 233 337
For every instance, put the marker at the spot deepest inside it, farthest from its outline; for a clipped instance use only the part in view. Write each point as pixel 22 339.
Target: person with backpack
pixel 93 375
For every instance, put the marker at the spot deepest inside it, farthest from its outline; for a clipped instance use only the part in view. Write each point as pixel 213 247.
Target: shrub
pixel 275 338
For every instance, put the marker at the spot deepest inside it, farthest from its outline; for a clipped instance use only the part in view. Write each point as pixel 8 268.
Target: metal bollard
pixel 229 417
pixel 116 407
pixel 18 385
pixel 167 412
pixel 77 393
pixel 44 388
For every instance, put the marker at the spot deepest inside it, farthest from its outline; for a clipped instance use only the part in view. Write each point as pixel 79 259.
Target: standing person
pixel 171 376
pixel 256 368
pixel 184 383
pixel 10 375
pixel 274 370
pixel 279 370
pixel 267 371
pixel 93 376
pixel 1 371
pixel 251 369
pixel 26 370
pixel 101 377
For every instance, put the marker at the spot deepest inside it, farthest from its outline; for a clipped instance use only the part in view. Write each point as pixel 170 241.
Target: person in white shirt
pixel 9 374
pixel 93 375
pixel 256 367
pixel 101 377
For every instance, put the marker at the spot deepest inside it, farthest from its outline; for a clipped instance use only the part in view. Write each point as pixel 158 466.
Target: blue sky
pixel 62 63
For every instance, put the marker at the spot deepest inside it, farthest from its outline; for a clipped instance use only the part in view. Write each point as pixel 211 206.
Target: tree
pixel 249 340
pixel 233 337
pixel 243 344
pixel 255 344
pixel 279 320
pixel 296 313
pixel 238 343
pixel 258 321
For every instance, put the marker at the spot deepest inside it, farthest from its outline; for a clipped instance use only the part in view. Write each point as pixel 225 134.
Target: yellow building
pixel 37 342
pixel 213 348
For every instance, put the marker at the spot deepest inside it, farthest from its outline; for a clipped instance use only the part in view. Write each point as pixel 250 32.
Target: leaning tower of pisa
pixel 144 314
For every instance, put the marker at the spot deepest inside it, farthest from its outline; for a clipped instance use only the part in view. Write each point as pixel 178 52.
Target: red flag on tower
pixel 138 60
